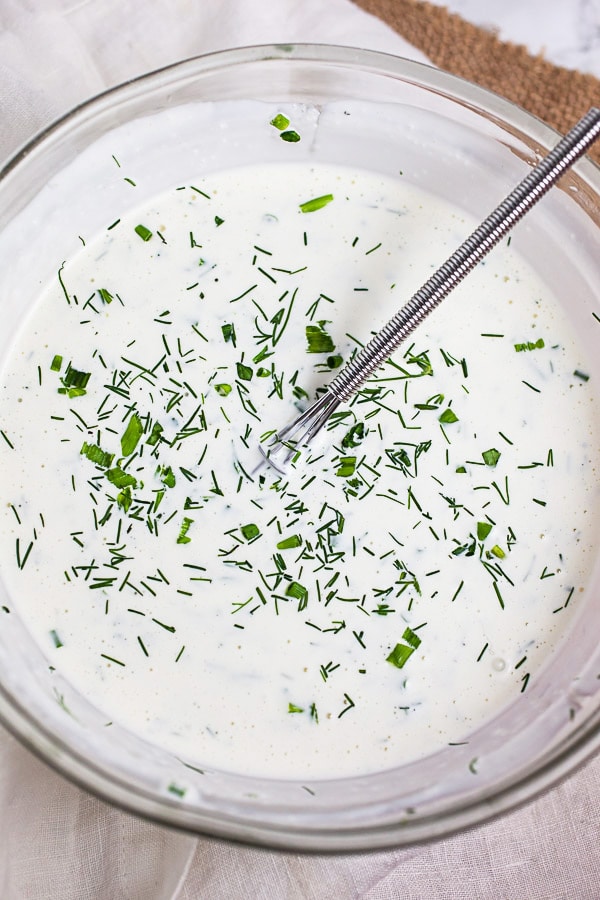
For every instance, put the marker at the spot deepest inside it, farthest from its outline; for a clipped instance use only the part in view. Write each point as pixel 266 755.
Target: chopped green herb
pixel 483 529
pixel 280 122
pixel 55 639
pixel 244 372
pixel 121 479
pixel 143 232
pixel 316 203
pixel 448 416
pixel 347 466
pixel 132 434
pixel 96 455
pixel 290 137
pixel 318 340
pixel 530 345
pixel 491 457
pixel 182 537
pixel 290 543
pixel 401 652
pixel 250 531
pixel 105 296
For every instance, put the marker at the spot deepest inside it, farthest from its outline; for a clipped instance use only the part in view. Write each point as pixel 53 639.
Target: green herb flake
pixel 55 639
pixel 292 708
pixel 316 203
pixel 297 591
pixel 491 457
pixel 74 382
pixel 290 137
pixel 182 537
pixel 121 479
pixel 155 434
pixel 448 417
pixel 228 332
pixel 347 467
pixel 498 552
pixel 132 434
pixel 96 455
pixel 290 543
pixel 280 122
pixel 167 476
pixel 56 363
pixel 250 531
pixel 530 345
pixel 143 232
pixel 318 340
pixel 223 389
pixel 244 372
pixel 176 790
pixel 581 375
pixel 105 296
pixel 218 221
pixel 354 436
pixel 401 652
pixel 483 529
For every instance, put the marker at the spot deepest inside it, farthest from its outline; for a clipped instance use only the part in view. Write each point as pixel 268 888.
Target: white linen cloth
pixel 57 842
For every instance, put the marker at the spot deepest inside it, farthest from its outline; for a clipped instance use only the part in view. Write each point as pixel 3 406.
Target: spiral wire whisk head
pixel 285 445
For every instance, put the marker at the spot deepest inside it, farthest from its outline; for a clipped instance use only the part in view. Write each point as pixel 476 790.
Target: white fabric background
pixel 58 843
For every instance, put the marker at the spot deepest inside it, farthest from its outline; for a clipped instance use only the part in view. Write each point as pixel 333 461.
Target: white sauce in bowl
pixel 402 583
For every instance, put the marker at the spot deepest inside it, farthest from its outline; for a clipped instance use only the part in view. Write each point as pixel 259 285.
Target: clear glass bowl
pixel 448 136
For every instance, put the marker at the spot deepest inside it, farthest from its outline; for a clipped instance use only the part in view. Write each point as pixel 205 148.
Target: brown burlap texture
pixel 557 96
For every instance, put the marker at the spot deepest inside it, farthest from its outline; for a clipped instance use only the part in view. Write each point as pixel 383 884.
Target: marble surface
pixel 566 32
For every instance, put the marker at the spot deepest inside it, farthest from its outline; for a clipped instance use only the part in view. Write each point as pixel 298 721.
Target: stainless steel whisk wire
pixel 499 222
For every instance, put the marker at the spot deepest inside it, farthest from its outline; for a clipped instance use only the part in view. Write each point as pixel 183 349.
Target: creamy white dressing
pixel 436 538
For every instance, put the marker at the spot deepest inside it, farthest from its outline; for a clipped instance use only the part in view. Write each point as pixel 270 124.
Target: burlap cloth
pixel 556 95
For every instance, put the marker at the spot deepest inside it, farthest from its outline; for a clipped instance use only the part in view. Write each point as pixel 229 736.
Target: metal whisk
pixel 302 430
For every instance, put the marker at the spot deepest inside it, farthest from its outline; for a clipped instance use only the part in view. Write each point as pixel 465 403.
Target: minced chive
pixel 280 122
pixel 121 479
pixel 223 389
pixel 581 375
pixel 530 345
pixel 316 203
pixel 483 529
pixel 292 708
pixel 182 537
pixel 318 340
pixel 290 543
pixel 244 372
pixel 290 137
pixel 401 652
pixel 491 457
pixel 347 466
pixel 448 416
pixel 55 639
pixel 228 332
pixel 96 455
pixel 297 591
pixel 250 531
pixel 105 295
pixel 143 232
pixel 56 363
pixel 132 434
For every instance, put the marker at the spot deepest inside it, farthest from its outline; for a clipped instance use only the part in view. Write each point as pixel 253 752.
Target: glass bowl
pixel 451 138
